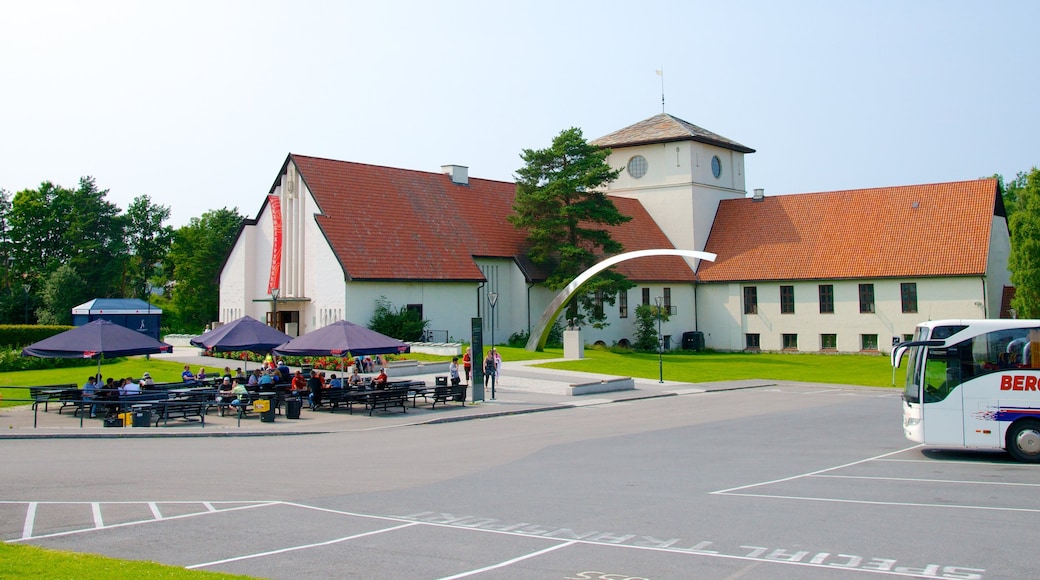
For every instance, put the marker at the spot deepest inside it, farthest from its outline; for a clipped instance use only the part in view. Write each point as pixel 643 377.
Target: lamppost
pixel 26 288
pixel 274 307
pixel 492 300
pixel 660 341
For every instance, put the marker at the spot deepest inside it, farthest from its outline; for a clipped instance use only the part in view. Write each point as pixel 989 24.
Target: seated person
pixel 147 378
pixel 226 393
pixel 381 381
pixel 335 382
pixel 240 392
pixel 299 383
pixel 355 378
pixel 187 376
pixel 266 379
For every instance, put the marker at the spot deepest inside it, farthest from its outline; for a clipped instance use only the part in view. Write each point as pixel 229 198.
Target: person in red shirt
pixel 467 362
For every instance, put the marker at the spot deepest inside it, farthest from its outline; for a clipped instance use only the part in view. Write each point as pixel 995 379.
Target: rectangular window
pixel 668 342
pixel 787 300
pixel 668 302
pixel 868 341
pixel 623 304
pixel 790 341
pixel 646 296
pixel 826 299
pixel 598 305
pixel 908 295
pixel 828 342
pixel 750 300
pixel 866 298
pixel 751 341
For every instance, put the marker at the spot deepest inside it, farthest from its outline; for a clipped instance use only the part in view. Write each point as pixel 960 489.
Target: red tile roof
pixel 385 223
pixel 941 229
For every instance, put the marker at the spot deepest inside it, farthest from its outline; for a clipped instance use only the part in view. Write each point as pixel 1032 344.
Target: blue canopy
pixel 342 339
pixel 246 334
pixel 97 339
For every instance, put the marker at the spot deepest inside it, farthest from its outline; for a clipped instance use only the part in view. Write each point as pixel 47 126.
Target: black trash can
pixel 693 341
pixel 142 416
pixel 293 405
pixel 266 404
pixel 441 381
pixel 113 422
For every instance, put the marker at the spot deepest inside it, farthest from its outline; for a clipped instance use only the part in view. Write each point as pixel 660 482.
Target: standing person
pixel 489 370
pixel 315 385
pixel 88 395
pixel 453 371
pixel 498 363
pixel 467 362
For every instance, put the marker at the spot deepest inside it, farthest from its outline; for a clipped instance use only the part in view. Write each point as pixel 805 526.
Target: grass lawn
pixel 20 561
pixel 696 367
pixel 161 370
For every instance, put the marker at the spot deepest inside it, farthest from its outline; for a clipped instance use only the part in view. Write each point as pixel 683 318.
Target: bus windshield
pixel 945 368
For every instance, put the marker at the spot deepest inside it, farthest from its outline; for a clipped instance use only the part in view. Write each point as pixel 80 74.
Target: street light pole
pixel 274 307
pixel 492 300
pixel 660 341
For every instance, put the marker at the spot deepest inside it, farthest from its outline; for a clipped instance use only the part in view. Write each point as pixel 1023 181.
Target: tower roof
pixel 665 128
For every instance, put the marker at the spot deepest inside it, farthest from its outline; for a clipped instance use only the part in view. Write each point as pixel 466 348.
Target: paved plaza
pixel 749 480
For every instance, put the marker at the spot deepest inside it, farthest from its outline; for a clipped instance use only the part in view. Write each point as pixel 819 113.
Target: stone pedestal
pixel 573 346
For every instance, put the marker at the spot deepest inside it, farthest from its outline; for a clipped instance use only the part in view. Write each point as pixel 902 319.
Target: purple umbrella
pixel 342 339
pixel 97 339
pixel 246 333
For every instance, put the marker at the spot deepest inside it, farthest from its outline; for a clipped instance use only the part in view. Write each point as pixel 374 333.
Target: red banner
pixel 276 242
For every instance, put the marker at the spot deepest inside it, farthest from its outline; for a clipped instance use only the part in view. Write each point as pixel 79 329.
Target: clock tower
pixel 679 172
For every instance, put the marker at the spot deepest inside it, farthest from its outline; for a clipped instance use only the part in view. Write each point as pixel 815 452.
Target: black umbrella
pixel 342 339
pixel 246 333
pixel 97 339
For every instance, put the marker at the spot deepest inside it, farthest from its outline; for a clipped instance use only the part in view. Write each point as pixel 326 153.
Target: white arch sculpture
pixel 541 331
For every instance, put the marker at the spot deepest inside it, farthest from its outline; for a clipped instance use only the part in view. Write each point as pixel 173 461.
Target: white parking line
pixel 302 547
pixel 509 562
pixel 30 519
pixel 95 509
pixel 155 510
pixel 927 480
pixel 811 473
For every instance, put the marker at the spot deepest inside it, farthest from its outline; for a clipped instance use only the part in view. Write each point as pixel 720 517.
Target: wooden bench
pixel 179 409
pixel 447 393
pixel 70 398
pixel 387 398
pixel 47 393
pixel 334 398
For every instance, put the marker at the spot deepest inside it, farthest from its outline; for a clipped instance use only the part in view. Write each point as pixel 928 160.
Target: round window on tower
pixel 637 166
pixel 716 166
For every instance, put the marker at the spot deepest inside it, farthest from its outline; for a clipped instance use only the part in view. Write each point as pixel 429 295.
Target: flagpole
pixel 660 73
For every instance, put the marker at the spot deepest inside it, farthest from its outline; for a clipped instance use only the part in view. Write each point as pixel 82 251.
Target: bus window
pixel 939 377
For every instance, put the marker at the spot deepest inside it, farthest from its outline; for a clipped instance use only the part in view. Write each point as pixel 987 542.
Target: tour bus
pixel 974 383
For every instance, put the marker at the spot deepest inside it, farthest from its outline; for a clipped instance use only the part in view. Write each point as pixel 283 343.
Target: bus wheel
pixel 1023 440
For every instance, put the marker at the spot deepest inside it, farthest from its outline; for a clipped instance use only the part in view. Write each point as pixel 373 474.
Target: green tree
pixel 1024 260
pixel 52 226
pixel 646 326
pixel 61 291
pixel 193 264
pixel 148 241
pixel 561 205
pixel 404 324
pixel 1011 191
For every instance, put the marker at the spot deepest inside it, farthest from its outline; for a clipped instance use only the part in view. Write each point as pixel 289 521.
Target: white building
pixel 838 271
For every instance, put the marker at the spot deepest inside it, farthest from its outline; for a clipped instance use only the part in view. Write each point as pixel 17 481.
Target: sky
pixel 197 104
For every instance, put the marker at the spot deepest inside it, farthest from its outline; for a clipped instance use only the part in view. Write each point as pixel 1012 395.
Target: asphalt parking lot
pixel 778 481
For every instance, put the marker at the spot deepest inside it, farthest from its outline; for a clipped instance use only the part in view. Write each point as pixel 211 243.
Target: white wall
pixel 997 273
pixel 725 324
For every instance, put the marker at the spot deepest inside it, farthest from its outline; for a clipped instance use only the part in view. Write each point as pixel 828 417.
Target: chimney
pixel 459 173
pixel 759 195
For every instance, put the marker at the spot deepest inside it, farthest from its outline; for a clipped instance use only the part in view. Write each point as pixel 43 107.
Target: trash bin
pixel 113 422
pixel 293 405
pixel 265 406
pixel 693 341
pixel 441 381
pixel 142 416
